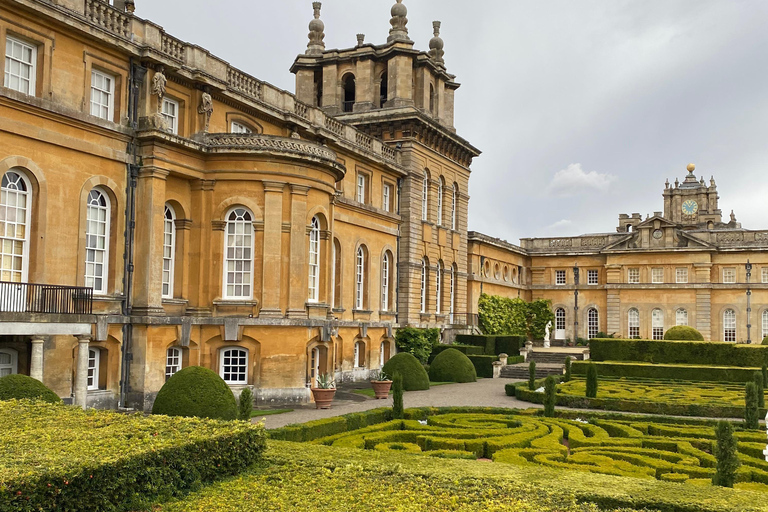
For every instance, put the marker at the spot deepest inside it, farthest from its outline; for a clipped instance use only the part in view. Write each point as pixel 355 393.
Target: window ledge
pixel 235 302
pixel 338 310
pixel 175 301
pixel 362 311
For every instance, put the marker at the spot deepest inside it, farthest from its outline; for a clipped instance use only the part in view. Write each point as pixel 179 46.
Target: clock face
pixel 658 234
pixel 690 207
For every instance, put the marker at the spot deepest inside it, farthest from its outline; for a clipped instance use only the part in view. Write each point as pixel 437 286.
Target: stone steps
pixel 550 357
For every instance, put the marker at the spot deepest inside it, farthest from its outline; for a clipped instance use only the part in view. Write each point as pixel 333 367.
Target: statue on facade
pixel 547 334
pixel 158 89
pixel 206 107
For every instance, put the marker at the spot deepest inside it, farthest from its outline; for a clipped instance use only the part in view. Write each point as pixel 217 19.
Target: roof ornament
pixel 360 39
pixel 733 216
pixel 316 45
pixel 130 6
pixel 399 20
pixel 712 181
pixel 666 184
pixel 436 45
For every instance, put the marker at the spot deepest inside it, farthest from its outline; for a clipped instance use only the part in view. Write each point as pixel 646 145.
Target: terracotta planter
pixel 381 388
pixel 323 397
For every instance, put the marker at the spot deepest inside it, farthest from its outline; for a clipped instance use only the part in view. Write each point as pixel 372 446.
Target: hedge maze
pixel 676 452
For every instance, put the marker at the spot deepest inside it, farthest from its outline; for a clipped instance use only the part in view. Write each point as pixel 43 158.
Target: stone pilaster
pixel 613 312
pixel 273 242
pixel 81 373
pixel 298 278
pixel 200 249
pixel 704 313
pixel 148 274
pixel 36 361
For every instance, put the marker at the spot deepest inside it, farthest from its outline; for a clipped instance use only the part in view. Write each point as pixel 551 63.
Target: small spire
pixel 666 184
pixel 436 45
pixel 360 39
pixel 677 182
pixel 712 181
pixel 399 20
pixel 316 45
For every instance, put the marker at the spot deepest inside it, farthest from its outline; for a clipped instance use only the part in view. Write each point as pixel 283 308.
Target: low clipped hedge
pixel 452 366
pixel 415 377
pixel 667 371
pixel 465 349
pixel 196 392
pixel 57 457
pixel 484 365
pixel 494 345
pixel 679 352
pixel 683 333
pixel 21 387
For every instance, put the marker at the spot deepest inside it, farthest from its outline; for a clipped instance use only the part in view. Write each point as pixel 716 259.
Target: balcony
pixel 45 299
pixel 463 319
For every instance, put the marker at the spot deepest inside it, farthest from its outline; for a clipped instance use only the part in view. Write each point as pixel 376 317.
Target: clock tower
pixel 692 204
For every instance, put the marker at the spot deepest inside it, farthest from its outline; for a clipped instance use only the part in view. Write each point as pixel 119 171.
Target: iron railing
pixel 45 298
pixel 468 319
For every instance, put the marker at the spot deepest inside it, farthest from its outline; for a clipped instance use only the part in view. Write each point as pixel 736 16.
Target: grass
pixel 369 391
pixel 268 412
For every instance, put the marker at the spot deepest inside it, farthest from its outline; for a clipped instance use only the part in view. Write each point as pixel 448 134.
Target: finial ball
pixel 691 167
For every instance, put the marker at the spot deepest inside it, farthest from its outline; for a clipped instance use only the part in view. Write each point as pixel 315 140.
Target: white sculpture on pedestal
pixel 547 331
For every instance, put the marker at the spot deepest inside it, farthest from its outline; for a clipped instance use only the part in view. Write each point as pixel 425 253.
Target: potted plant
pixel 381 386
pixel 323 393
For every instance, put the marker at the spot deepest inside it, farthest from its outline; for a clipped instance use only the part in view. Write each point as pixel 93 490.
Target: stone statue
pixel 547 333
pixel 765 452
pixel 206 107
pixel 158 87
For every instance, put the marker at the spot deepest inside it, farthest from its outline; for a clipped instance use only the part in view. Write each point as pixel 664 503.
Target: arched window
pixel 432 99
pixel 238 255
pixel 386 276
pixel 348 85
pixel 439 288
pixel 9 359
pixel 314 365
pixel 359 354
pixel 729 325
pixel 681 317
pixel 424 276
pixel 15 203
pixel 94 360
pixel 454 203
pixel 314 260
pixel 593 323
pixel 425 197
pixel 657 324
pixel 336 301
pixel 97 241
pixel 361 267
pixel 172 362
pixel 560 324
pixel 233 365
pixel 169 250
pixel 633 321
pixel 440 186
pixel 383 90
pixel 765 323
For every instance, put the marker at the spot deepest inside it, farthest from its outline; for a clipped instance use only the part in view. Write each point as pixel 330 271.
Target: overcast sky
pixel 582 108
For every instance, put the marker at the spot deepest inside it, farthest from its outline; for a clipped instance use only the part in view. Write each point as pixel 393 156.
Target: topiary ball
pixel 415 377
pixel 21 386
pixel 452 366
pixel 765 341
pixel 196 392
pixel 683 333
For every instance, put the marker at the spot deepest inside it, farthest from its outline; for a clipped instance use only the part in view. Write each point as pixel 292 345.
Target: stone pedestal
pixel 36 361
pixel 496 369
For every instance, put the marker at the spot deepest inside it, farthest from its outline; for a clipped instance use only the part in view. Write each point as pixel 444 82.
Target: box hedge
pixel 465 349
pixel 452 366
pixel 679 352
pixel 494 345
pixel 667 371
pixel 414 375
pixel 196 392
pixel 19 387
pixel 57 457
pixel 483 365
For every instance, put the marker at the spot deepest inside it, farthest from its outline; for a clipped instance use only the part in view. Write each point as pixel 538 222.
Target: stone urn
pixel 323 397
pixel 381 388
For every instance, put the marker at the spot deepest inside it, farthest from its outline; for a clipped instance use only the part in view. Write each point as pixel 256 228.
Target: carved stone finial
pixel 360 39
pixel 130 6
pixel 666 184
pixel 206 107
pixel 399 20
pixel 711 181
pixel 733 216
pixel 316 44
pixel 436 45
pixel 677 182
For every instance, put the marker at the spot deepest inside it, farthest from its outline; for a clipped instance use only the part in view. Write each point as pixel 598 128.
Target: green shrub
pixel 550 390
pixel 464 349
pixel 509 345
pixel 683 333
pixel 760 389
pixel 751 413
pixel 487 344
pixel 764 371
pixel 483 365
pixel 452 366
pixel 417 342
pixel 591 381
pixel 196 392
pixel 679 352
pixel 568 369
pixel 397 395
pixel 19 387
pixel 725 449
pixel 502 316
pixel 765 341
pixel 245 405
pixel 509 389
pixel 666 371
pixel 532 375
pixel 63 458
pixel 414 375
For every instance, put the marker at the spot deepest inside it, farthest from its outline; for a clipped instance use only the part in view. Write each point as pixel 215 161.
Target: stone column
pixel 81 374
pixel 36 363
pixel 297 292
pixel 272 259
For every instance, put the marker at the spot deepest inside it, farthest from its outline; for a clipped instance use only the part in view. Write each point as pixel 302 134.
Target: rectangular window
pixel 592 277
pixel 240 128
pixel 681 275
pixel 559 277
pixel 362 185
pixel 172 362
pixel 765 275
pixel 20 64
pixel 633 276
pixel 93 368
pixel 657 275
pixel 171 114
pixel 729 275
pixel 102 95
pixel 386 198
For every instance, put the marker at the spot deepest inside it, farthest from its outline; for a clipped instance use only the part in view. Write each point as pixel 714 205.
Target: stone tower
pixel 692 204
pixel 405 98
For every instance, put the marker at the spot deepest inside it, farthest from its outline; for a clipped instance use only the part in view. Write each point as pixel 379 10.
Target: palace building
pixel 160 208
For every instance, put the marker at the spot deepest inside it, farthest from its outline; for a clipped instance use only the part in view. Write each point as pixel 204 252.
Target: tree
pixel 591 381
pixel 550 396
pixel 532 375
pixel 567 377
pixel 500 316
pixel 245 405
pixel 397 396
pixel 751 413
pixel 758 378
pixel 725 452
